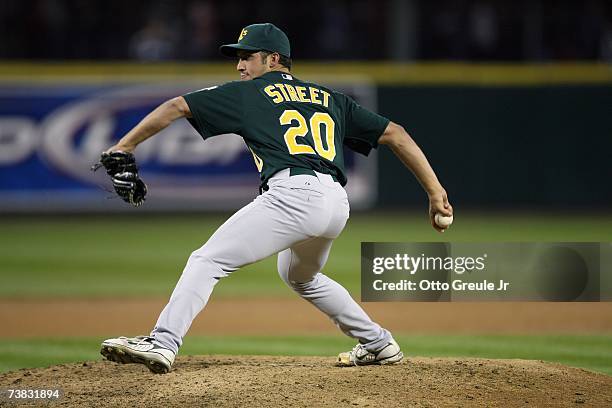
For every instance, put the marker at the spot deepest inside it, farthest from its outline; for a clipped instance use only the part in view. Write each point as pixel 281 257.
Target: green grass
pixel 143 255
pixel 589 352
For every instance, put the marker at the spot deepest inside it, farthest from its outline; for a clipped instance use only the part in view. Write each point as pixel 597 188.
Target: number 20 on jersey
pixel 320 122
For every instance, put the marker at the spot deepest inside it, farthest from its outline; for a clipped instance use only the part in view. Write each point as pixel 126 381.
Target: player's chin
pixel 245 77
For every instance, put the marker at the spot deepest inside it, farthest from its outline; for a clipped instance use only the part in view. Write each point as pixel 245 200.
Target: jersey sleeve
pixel 363 127
pixel 216 110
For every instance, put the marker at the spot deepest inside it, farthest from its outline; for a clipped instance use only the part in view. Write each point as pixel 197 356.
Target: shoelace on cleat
pixel 144 339
pixel 359 351
pixel 141 340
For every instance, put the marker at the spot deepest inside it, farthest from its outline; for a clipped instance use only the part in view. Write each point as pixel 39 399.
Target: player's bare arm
pixel 405 148
pixel 153 123
pixel 119 161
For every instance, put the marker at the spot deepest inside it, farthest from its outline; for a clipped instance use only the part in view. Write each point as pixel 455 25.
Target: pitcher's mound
pixel 264 381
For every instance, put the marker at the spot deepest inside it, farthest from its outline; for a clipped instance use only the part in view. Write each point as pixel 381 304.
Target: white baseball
pixel 443 221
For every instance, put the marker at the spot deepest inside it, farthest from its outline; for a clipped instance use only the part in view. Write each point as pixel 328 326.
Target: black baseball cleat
pixel 358 356
pixel 138 350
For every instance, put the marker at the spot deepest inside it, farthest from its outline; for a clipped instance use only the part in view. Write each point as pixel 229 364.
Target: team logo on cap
pixel 242 34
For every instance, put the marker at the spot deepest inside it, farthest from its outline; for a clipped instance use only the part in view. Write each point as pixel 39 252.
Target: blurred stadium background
pixel 510 100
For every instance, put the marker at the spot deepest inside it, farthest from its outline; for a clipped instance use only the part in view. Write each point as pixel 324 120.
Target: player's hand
pixel 120 148
pixel 438 203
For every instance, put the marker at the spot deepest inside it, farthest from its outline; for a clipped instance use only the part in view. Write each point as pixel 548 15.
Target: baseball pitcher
pixel 296 131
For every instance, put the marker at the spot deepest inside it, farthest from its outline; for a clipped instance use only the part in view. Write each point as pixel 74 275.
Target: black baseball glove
pixel 122 169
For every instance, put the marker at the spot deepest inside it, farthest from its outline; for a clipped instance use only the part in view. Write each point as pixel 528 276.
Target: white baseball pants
pixel 298 218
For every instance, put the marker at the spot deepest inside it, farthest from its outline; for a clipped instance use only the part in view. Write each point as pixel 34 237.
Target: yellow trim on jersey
pixel 258 161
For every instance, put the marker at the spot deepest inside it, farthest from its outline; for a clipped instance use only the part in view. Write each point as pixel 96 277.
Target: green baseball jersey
pixel 287 122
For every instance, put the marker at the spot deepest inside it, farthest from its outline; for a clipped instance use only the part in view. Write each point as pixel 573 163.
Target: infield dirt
pixel 261 381
pixel 21 318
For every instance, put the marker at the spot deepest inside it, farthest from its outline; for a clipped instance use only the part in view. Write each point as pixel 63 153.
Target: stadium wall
pixel 503 135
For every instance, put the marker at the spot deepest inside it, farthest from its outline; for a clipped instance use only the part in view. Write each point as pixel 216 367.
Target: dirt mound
pixel 263 381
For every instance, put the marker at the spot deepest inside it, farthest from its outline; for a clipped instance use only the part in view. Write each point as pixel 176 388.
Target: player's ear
pixel 273 59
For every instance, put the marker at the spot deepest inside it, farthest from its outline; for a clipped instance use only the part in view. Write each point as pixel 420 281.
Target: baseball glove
pixel 122 169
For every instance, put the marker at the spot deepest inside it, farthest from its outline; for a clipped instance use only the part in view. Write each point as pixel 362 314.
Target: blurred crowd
pixel 156 30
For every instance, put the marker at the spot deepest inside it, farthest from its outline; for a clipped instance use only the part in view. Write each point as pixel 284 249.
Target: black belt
pixel 296 171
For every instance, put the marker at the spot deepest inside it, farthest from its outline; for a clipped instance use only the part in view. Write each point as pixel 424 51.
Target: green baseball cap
pixel 259 37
